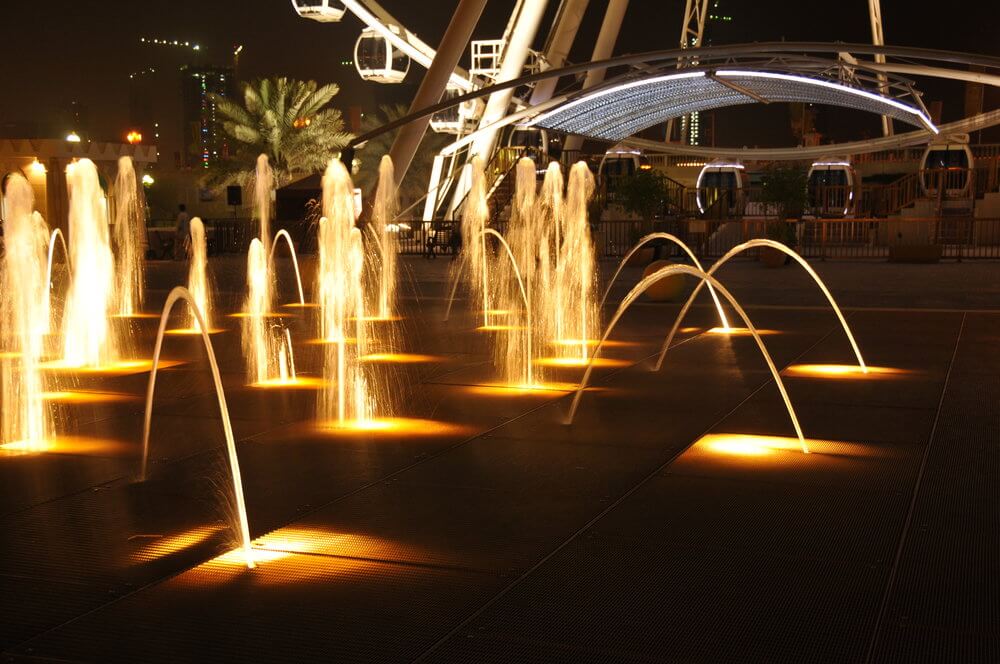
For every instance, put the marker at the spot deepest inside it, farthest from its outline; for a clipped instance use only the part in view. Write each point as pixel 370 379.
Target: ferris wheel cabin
pixel 376 59
pixel 720 188
pixel 948 166
pixel 832 185
pixel 324 11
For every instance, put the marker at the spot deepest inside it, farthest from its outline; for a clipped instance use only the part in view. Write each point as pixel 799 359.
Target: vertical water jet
pixel 384 232
pixel 474 265
pixel 198 283
pixel 341 300
pixel 259 343
pixel 24 417
pixel 578 315
pixel 129 205
pixel 87 335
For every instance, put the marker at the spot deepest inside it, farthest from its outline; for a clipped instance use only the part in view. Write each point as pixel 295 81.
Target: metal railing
pixel 959 238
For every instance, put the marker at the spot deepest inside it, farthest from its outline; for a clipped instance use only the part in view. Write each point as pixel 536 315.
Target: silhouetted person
pixel 182 233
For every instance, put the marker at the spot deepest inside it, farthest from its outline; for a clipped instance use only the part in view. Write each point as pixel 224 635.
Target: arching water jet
pixel 723 321
pixel 176 294
pixel 527 360
pixel 640 288
pixel 295 261
pixel 784 249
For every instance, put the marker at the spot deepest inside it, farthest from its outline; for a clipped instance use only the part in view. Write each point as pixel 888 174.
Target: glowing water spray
pixel 578 315
pixel 130 238
pixel 341 300
pixel 520 284
pixel 198 284
pixel 263 195
pixel 261 344
pixel 523 360
pixel 56 234
pixel 640 288
pixel 295 261
pixel 385 233
pixel 723 321
pixel 87 337
pixel 227 426
pixel 24 418
pixel 474 265
pixel 784 249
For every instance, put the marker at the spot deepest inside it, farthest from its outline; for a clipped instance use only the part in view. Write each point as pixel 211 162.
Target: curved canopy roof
pixel 620 110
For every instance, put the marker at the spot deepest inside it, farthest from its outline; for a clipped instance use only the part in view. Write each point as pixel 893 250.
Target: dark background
pixel 61 51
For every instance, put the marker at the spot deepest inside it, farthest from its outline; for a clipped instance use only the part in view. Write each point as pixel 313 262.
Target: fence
pixel 958 238
pixel 952 237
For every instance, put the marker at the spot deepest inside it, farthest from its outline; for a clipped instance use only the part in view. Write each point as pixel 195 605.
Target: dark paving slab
pixel 942 604
pixel 631 544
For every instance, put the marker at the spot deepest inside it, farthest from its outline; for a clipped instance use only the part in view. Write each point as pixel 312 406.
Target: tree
pixel 643 194
pixel 366 162
pixel 286 119
pixel 784 189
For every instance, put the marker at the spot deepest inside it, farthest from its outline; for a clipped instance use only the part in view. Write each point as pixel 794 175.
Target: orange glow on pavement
pixel 119 368
pixel 192 331
pixel 579 362
pixel 849 371
pixel 401 358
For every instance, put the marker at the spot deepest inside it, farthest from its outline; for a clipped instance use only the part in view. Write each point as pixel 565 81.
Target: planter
pixel 772 258
pixel 668 289
pixel 640 258
pixel 915 253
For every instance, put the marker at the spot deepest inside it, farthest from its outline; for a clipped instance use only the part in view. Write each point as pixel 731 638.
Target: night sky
pixel 59 51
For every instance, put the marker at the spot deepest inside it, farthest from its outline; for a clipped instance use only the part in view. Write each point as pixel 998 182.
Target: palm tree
pixel 285 119
pixel 366 162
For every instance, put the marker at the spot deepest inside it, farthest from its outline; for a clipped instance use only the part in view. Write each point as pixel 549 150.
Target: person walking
pixel 182 233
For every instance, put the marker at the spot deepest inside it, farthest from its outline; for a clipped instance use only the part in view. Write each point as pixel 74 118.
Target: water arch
pixel 784 249
pixel 181 293
pixel 723 322
pixel 524 297
pixel 640 288
pixel 295 261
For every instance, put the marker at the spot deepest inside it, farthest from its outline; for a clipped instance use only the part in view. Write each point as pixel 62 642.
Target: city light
pixel 36 167
pixel 72 137
pixel 147 179
pixel 133 137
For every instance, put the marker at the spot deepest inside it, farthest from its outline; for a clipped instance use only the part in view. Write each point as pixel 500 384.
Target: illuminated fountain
pixel 242 526
pixel 723 321
pixel 577 315
pixel 703 277
pixel 198 284
pixel 129 206
pixel 283 234
pixel 56 234
pixel 474 265
pixel 25 422
pixel 263 196
pixel 265 346
pixel 384 233
pixel 861 367
pixel 520 286
pixel 344 399
pixel 88 340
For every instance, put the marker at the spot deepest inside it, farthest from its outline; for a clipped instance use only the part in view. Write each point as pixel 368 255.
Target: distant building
pixel 205 141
